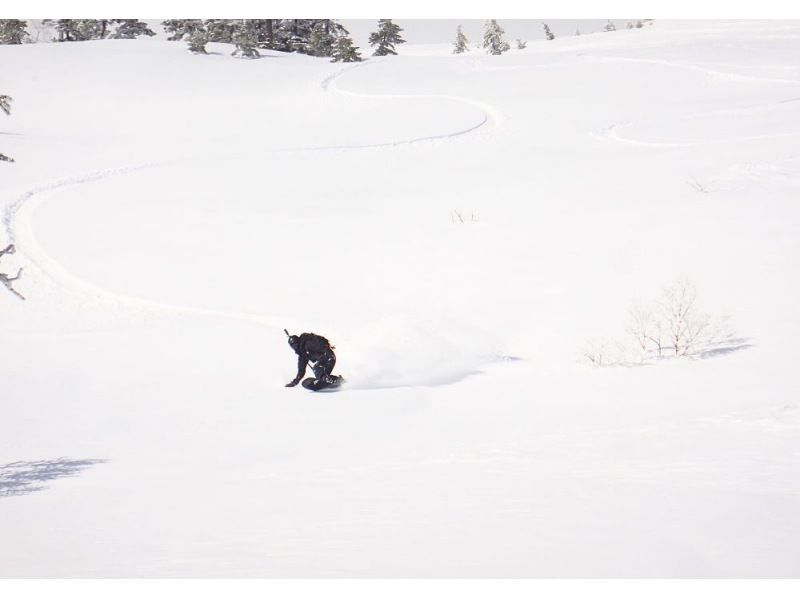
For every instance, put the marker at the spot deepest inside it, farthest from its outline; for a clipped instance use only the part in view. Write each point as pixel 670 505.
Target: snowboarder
pixel 316 349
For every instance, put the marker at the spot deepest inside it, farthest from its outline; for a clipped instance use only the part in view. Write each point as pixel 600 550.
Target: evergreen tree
pixel 577 32
pixel 294 35
pixel 460 46
pixel 130 29
pixel 493 38
pixel 103 25
pixel 322 39
pixel 12 31
pixel 521 44
pixel 386 37
pixel 65 29
pixel 265 31
pixel 77 30
pixel 182 29
pixel 197 41
pixel 345 51
pixel 87 29
pixel 547 33
pixel 221 30
pixel 245 37
pixel 5 106
pixel 174 29
pixel 609 26
pixel 324 35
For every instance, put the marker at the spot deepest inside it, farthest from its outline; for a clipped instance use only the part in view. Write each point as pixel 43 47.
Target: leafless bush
pixel 457 217
pixel 697 186
pixel 688 330
pixel 672 326
pixel 596 352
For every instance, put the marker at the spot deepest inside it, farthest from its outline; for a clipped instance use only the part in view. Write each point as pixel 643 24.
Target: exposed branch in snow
pixel 697 186
pixel 5 106
pixel 10 249
pixel 5 278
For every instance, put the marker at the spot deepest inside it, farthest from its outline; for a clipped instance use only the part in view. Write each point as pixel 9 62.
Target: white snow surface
pixel 173 213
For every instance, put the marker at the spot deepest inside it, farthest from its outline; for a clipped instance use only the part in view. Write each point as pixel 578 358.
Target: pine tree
pixel 521 44
pixel 345 51
pixel 547 33
pixel 174 29
pixel 493 38
pixel 610 26
pixel 265 31
pixel 103 25
pixel 65 29
pixel 246 39
pixel 221 30
pixel 77 30
pixel 294 35
pixel 461 44
pixel 5 106
pixel 12 31
pixel 324 34
pixel 386 37
pixel 130 29
pixel 182 29
pixel 197 42
pixel 87 29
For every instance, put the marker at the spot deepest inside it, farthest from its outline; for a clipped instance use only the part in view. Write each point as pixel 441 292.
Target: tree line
pixel 314 37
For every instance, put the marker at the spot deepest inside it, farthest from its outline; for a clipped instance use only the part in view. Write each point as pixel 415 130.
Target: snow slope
pixel 173 213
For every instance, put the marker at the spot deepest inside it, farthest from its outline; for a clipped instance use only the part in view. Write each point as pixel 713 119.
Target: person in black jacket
pixel 316 349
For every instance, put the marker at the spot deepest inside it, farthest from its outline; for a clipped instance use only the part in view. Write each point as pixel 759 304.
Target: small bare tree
pixel 5 278
pixel 646 329
pixel 678 325
pixel 596 352
pixel 672 326
pixel 684 323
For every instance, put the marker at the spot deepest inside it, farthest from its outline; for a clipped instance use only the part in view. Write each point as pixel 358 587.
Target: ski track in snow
pixel 490 114
pixel 612 131
pixel 17 216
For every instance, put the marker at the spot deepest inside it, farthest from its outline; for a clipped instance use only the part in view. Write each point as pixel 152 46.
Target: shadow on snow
pixel 24 477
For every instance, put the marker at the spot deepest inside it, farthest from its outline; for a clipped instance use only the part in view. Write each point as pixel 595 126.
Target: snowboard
pixel 318 385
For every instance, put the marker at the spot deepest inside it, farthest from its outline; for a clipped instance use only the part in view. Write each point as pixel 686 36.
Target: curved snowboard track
pixel 17 218
pixel 490 114
pixel 612 131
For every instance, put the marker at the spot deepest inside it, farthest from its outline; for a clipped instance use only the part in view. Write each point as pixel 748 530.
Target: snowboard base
pixel 318 385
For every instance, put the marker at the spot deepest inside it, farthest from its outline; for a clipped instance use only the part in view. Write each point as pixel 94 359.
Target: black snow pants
pixel 324 365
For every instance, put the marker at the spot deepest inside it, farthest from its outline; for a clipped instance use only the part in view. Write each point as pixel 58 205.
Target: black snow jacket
pixel 310 347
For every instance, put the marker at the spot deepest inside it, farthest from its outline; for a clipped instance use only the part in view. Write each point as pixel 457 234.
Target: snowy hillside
pixel 461 228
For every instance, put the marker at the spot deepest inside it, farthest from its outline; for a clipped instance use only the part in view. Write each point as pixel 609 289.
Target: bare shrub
pixel 596 352
pixel 672 326
pixel 689 330
pixel 458 217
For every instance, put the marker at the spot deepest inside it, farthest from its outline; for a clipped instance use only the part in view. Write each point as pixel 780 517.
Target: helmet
pixel 294 341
